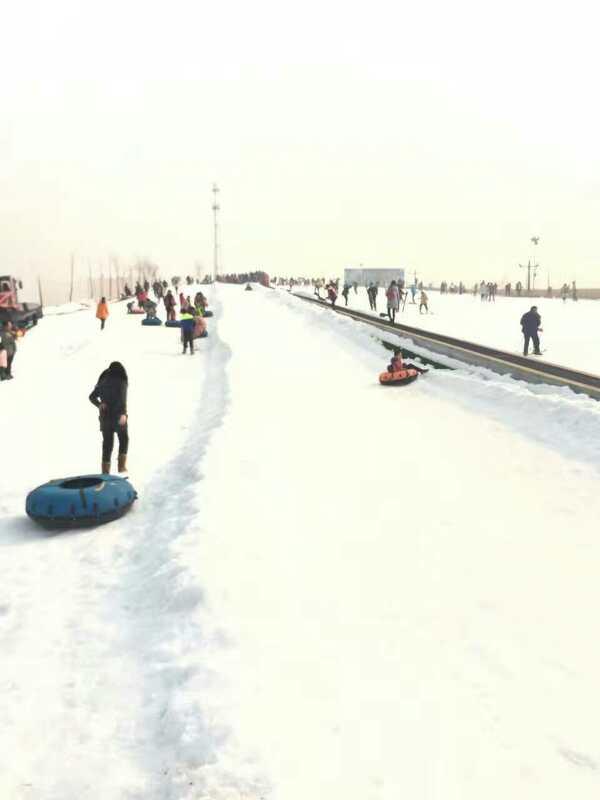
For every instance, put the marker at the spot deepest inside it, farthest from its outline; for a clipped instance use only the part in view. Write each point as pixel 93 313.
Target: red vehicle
pixel 22 315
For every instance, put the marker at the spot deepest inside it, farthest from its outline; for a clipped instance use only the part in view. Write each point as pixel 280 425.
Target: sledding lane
pixel 401 572
pixel 100 667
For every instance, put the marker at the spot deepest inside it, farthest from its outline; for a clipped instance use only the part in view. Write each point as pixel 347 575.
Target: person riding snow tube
pixel 398 373
pixel 398 378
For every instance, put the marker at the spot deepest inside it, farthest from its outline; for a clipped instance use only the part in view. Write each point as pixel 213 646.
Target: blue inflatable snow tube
pixel 152 321
pixel 82 501
pixel 173 323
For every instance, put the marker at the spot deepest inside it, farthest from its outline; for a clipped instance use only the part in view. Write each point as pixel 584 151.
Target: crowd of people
pixel 110 392
pixel 487 290
pixel 396 295
pixel 245 277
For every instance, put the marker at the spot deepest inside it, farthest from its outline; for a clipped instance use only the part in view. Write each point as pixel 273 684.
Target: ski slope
pixel 571 330
pixel 327 588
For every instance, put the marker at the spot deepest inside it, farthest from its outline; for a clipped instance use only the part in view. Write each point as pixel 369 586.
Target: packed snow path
pixel 328 589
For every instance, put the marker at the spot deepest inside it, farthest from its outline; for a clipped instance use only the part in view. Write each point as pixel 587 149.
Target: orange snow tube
pixel 399 378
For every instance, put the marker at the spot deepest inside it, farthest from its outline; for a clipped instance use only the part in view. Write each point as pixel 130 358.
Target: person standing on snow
pixel 530 325
pixel 187 330
pixel 102 312
pixel 200 302
pixel 371 296
pixel 169 302
pixel 109 395
pixel 345 292
pixel 423 303
pixel 8 346
pixel 393 300
pixel 332 293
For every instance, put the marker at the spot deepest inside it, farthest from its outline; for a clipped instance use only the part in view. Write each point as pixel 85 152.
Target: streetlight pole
pixel 216 208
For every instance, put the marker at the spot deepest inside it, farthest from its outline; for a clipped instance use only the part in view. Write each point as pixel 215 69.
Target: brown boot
pixel 123 462
pixel 106 467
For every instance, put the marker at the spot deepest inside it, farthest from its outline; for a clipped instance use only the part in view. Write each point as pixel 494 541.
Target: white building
pixel 364 276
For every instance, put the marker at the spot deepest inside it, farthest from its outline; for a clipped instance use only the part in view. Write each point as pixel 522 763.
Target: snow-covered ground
pixel 327 589
pixel 571 330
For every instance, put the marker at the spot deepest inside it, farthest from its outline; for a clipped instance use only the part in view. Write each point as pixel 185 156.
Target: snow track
pixel 326 590
pixel 102 673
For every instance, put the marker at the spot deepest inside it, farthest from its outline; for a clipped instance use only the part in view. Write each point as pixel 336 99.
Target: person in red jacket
pixel 397 364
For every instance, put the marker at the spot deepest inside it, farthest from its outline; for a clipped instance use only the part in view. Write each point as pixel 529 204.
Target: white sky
pixel 429 135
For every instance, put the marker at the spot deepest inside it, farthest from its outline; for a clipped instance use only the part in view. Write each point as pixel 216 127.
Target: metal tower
pixel 531 268
pixel 216 208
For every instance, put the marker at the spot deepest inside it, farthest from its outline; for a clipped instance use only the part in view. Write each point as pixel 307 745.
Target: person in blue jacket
pixel 187 329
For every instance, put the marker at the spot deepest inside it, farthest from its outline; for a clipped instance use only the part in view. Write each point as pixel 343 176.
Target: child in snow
pixel 102 312
pixel 397 363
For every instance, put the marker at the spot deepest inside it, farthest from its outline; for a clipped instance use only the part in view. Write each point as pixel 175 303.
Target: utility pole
pixel 216 208
pixel 529 266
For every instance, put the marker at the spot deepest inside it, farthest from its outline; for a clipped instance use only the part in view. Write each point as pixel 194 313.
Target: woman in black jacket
pixel 110 397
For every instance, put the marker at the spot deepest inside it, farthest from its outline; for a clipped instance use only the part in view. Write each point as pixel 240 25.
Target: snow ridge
pixel 178 742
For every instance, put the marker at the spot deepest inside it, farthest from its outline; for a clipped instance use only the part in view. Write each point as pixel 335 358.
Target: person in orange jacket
pixel 102 312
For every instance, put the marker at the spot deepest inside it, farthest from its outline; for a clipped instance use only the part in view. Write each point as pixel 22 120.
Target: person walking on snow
pixel 393 300
pixel 102 312
pixel 345 292
pixel 530 325
pixel 109 395
pixel 423 300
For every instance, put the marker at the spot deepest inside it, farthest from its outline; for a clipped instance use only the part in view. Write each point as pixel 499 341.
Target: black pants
pixel 188 338
pixel 9 360
pixel 102 323
pixel 108 439
pixel 534 338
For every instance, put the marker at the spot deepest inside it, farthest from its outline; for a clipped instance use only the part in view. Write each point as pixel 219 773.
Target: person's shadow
pixel 19 530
